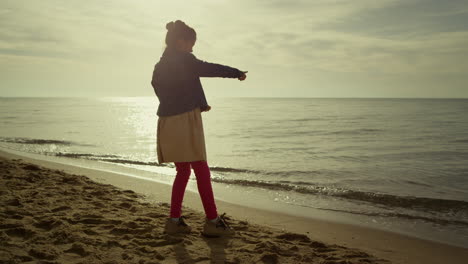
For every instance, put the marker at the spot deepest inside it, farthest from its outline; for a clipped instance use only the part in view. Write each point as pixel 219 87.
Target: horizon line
pixel 244 97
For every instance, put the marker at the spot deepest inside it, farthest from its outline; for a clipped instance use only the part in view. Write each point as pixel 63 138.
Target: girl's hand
pixel 206 109
pixel 243 76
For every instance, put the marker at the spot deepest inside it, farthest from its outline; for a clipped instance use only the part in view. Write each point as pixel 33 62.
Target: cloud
pixel 407 19
pixel 70 28
pixel 364 36
pixel 345 52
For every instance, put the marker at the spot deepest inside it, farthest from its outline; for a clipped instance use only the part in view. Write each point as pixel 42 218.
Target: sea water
pixel 398 164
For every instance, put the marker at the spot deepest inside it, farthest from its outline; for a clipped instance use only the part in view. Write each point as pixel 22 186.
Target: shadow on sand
pixel 217 247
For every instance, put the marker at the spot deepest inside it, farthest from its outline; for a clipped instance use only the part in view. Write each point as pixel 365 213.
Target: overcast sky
pixel 291 48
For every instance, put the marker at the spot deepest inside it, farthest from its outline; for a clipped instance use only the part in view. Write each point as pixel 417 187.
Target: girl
pixel 180 136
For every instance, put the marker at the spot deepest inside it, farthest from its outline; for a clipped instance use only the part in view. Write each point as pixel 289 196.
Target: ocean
pixel 394 164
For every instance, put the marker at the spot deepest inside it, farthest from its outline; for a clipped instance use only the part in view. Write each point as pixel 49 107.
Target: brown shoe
pixel 217 229
pixel 176 227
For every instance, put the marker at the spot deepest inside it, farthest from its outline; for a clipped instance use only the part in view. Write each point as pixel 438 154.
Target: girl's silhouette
pixel 180 136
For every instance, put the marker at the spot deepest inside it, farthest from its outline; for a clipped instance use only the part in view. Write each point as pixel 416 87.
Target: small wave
pixel 430 155
pixel 36 141
pixel 226 169
pixel 119 159
pixel 270 173
pixel 107 158
pixel 460 141
pixel 305 119
pixel 417 183
pixel 409 202
pixel 82 155
pixel 306 132
pixel 356 131
pixel 435 220
pixel 296 182
pixel 9 117
pixel 134 162
pixel 294 172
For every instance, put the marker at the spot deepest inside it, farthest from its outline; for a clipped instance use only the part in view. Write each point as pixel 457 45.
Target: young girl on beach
pixel 180 136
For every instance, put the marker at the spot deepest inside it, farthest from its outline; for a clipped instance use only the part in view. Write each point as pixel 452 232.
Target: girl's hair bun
pixel 178 24
pixel 170 26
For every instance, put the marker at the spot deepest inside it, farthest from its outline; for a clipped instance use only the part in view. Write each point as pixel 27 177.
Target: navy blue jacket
pixel 176 81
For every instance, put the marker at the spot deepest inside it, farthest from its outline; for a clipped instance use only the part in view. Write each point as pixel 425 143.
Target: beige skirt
pixel 180 138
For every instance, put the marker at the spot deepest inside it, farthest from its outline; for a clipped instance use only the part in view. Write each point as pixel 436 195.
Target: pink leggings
pixel 202 173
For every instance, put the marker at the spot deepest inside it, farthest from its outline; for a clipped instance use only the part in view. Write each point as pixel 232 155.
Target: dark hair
pixel 178 30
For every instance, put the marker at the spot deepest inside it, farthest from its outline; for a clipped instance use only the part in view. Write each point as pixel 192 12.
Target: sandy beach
pixel 57 213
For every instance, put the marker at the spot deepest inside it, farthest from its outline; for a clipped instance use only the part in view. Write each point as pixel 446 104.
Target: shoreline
pixel 395 247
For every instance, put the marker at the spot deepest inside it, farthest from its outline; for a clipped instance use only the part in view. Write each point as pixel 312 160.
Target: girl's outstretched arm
pixel 207 69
